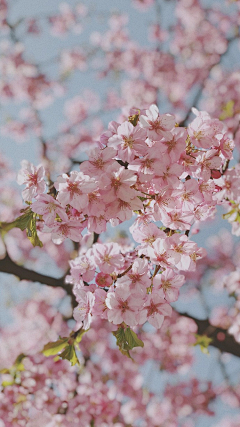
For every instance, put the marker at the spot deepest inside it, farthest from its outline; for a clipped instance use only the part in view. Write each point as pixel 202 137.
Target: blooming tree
pixel 155 157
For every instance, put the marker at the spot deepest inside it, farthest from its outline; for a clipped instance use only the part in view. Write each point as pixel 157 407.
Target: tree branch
pixel 221 339
pixel 198 94
pixel 10 267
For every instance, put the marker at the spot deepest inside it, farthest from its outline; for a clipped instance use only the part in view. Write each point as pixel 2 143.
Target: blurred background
pixel 67 69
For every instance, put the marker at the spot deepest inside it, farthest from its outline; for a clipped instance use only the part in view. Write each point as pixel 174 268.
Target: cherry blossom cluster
pixel 42 391
pixel 68 19
pixel 149 169
pixel 164 178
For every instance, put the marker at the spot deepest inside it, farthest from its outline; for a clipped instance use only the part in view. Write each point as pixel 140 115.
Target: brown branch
pixel 198 94
pixel 221 339
pixel 10 267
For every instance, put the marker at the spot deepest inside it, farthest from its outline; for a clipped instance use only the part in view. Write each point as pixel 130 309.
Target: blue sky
pixel 43 49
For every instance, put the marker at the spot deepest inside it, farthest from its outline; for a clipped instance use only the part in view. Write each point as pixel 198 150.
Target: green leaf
pixel 70 354
pixel 227 110
pixel 119 334
pixel 17 366
pixel 20 222
pixel 127 340
pixel 121 341
pixel 14 371
pixel 65 347
pixel 132 339
pixel 27 222
pixel 80 334
pixel 6 383
pixel 32 232
pixel 234 295
pixel 203 341
pixel 18 362
pixel 53 348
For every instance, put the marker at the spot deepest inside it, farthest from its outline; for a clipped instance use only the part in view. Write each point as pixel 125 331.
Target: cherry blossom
pixel 123 305
pixel 170 283
pixel 48 207
pixel 155 309
pixel 83 312
pixel 105 284
pixel 157 124
pixel 74 189
pixel 33 177
pixel 107 256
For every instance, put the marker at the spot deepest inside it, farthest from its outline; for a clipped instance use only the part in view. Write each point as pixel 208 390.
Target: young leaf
pixel 132 339
pixel 21 222
pixel 64 348
pixel 80 334
pixel 203 341
pixel 227 111
pixel 121 341
pixel 14 371
pixel 27 222
pixel 127 340
pixel 119 334
pixel 70 354
pixel 53 348
pixel 18 362
pixel 32 232
pixel 6 383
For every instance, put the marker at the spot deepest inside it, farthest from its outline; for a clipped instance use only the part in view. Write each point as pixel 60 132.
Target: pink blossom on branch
pixel 83 312
pixel 33 177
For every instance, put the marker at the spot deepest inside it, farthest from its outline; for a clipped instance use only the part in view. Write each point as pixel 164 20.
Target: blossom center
pixel 152 308
pixel 156 125
pixel 98 163
pixel 166 284
pixel 128 141
pixel 73 188
pixel 107 258
pixel 124 306
pixel 198 135
pixel 116 183
pixel 33 178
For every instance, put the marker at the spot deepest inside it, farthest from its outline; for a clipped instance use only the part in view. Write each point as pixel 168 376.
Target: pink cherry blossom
pixel 100 307
pixel 99 161
pixel 203 130
pixel 155 309
pixel 107 256
pixel 129 141
pixel 170 283
pixel 33 177
pixel 157 124
pixel 189 194
pixel 83 312
pixel 73 190
pixel 48 207
pixel 61 230
pixel 159 252
pixel 104 280
pixel 119 180
pixel 123 305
